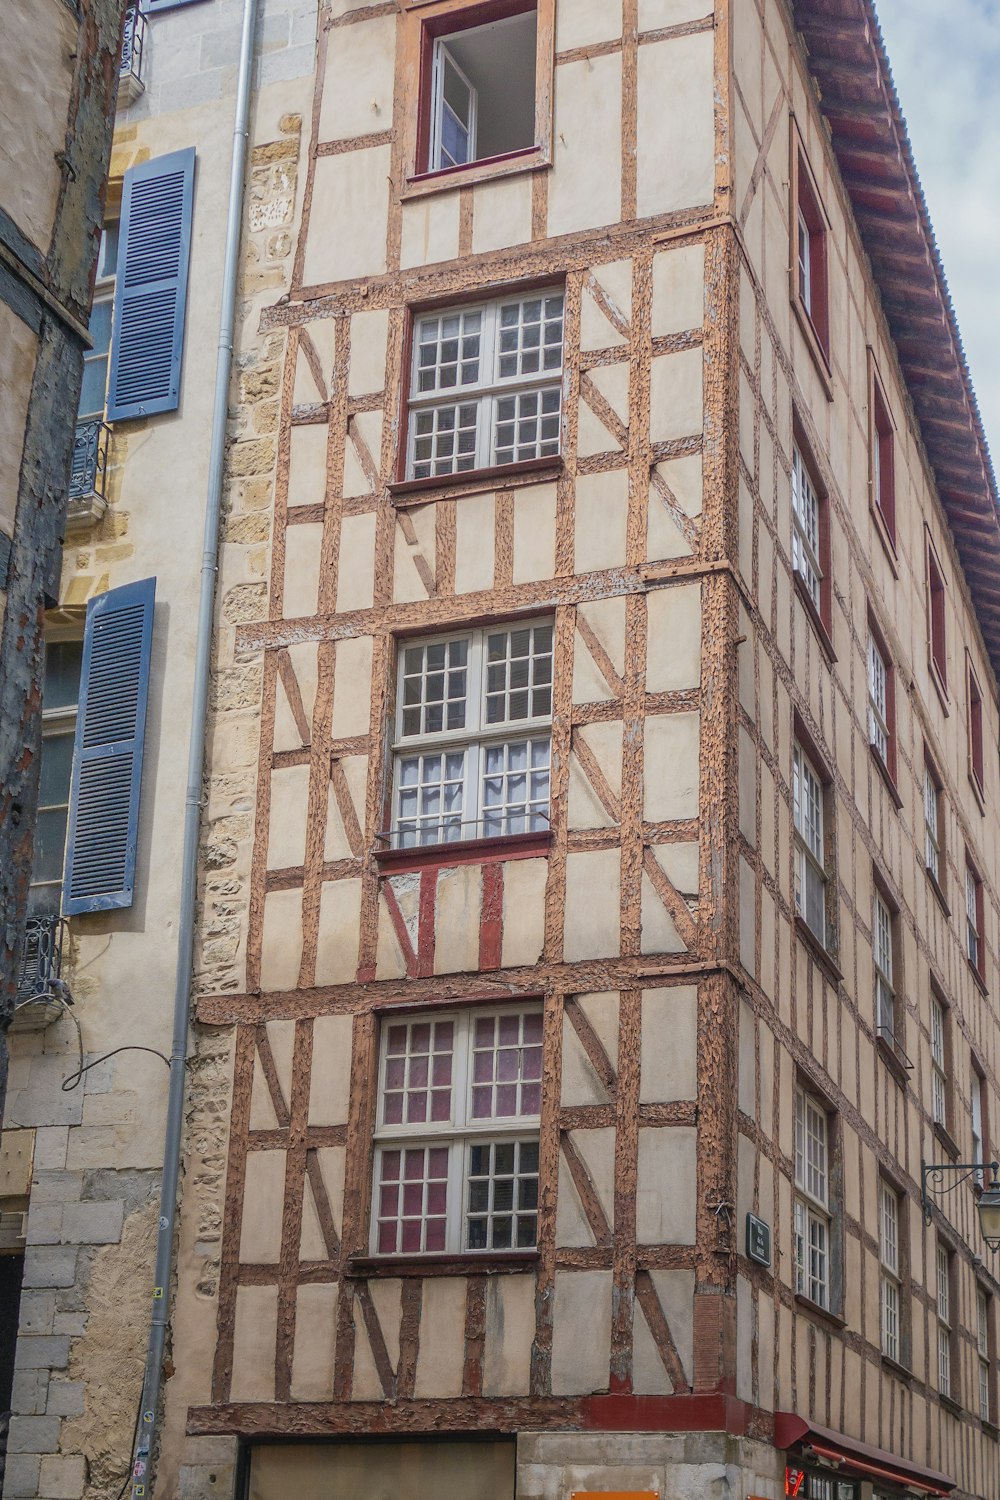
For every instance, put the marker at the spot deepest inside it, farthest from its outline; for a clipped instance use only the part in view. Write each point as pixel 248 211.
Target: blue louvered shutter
pixel 151 287
pixel 107 755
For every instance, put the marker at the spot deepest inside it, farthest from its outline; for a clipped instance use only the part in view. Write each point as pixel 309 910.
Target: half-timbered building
pixel 600 885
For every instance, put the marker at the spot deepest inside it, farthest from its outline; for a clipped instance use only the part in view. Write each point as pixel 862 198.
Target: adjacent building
pixel 83 1151
pixel 600 852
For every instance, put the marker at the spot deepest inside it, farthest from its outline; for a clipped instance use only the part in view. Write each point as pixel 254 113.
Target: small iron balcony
pixel 41 961
pixel 90 457
pixel 131 81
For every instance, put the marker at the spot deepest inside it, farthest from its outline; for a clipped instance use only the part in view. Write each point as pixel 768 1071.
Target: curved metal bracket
pixel 932 1179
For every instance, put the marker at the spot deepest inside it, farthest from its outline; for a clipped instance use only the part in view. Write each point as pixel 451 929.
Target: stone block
pixel 92 1223
pixel 49 1265
pixel 21 1475
pixel 65 1398
pixel 44 1224
pixel 63 1478
pixel 34 1434
pixel 50 1147
pixel 41 1352
pixel 36 1312
pixel 56 1187
pixel 204 1481
pixel 72 1323
pixel 29 1392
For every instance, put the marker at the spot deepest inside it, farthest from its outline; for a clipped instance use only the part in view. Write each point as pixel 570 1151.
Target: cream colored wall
pixel 36 79
pixel 797 1018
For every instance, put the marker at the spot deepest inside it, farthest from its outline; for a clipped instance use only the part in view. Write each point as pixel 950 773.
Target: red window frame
pixel 937 645
pixel 975 729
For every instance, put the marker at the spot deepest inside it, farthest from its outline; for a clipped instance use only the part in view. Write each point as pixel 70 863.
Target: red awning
pixel 855 1457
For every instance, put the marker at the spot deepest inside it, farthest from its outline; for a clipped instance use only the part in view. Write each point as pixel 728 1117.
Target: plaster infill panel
pixel 430 230
pixel 666 1192
pixel 582 23
pixel 254 1342
pixel 678 290
pixel 676 124
pixel 337 939
pixel 286 840
pixel 329 1081
pixel 510 1329
pixel 524 882
pixel 600 520
pixel 581 1334
pixel 349 189
pixel 676 404
pixel 668 1067
pixel 585 186
pixel 36 84
pixel 281 940
pixel 366 367
pixel 307 465
pixel 673 657
pixel 593 905
pixel 670 772
pixel 358 86
pixel 263 1200
pixel 441 1359
pixel 501 214
pixel 315 1341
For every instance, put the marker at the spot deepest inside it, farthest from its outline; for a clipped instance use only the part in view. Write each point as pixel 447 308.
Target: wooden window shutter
pixel 107 755
pixel 151 287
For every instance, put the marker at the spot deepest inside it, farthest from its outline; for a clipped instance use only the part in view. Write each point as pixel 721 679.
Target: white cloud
pixel 945 59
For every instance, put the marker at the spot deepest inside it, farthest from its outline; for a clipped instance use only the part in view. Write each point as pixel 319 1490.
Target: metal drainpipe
pixel 152 1379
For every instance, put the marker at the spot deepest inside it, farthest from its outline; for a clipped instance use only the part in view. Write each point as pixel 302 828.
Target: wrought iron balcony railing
pixel 131 81
pixel 90 457
pixel 41 961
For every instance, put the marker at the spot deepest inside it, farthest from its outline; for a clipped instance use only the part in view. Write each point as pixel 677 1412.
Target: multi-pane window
pixel 472 746
pixel 811 1210
pixel 983 1352
pixel 810 254
pixel 94 386
pixel 974 945
pixel 879 703
pixel 456 1139
pixel 473 115
pixel 806 532
pixel 885 994
pixel 810 868
pixel 939 1063
pixel 60 692
pixel 932 823
pixel 486 385
pixel 889 1285
pixel 944 1339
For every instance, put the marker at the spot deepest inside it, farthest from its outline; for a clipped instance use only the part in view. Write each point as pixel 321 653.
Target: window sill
pixel 980 981
pixel 816 1309
pixel 467 852
pixel 895 1368
pixel 885 537
pixel 819 355
pixel 893 1057
pixel 825 639
pixel 940 684
pixel 944 1139
pixel 84 512
pixel 939 893
pixel 447 179
pixel 473 481
pixel 950 1404
pixel 886 776
pixel 820 953
pixel 495 1261
pixel 990 1428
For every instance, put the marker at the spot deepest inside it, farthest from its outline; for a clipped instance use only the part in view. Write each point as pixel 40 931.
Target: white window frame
pixel 104 295
pixel 972 935
pixel 939 1060
pixel 479 402
pixel 57 723
pixel 806 529
pixel 890 1300
pixel 943 1266
pixel 460 1133
pixel 932 823
pixel 443 58
pixel 878 700
pixel 811 1218
pixel 983 1351
pixel 473 740
pixel 805 259
pixel 809 819
pixel 882 955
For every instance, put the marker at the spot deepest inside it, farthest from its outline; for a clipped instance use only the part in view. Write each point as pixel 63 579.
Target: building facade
pixel 599 860
pixel 83 1150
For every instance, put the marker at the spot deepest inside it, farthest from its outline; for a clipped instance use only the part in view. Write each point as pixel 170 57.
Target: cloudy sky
pixel 945 57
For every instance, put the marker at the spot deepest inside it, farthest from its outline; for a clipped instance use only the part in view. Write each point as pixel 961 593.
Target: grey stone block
pixel 65 1398
pixel 33 1435
pixel 29 1393
pixel 63 1478
pixel 41 1352
pixel 100 1077
pixel 200 88
pixel 44 1224
pixel 36 1312
pixel 49 1265
pixel 92 1223
pixel 73 1323
pixel 201 1482
pixel 21 1475
pixel 293 62
pixel 57 1187
pixel 50 1147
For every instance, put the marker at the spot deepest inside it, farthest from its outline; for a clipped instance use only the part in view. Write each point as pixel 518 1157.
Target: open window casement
pixel 453 143
pixel 481 92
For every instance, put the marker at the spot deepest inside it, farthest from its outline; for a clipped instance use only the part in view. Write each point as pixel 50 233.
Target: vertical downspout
pixel 152 1379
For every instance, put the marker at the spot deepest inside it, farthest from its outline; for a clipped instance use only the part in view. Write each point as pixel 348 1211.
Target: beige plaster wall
pixel 36 78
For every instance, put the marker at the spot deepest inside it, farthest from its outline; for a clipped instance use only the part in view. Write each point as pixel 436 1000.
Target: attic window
pixel 478 94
